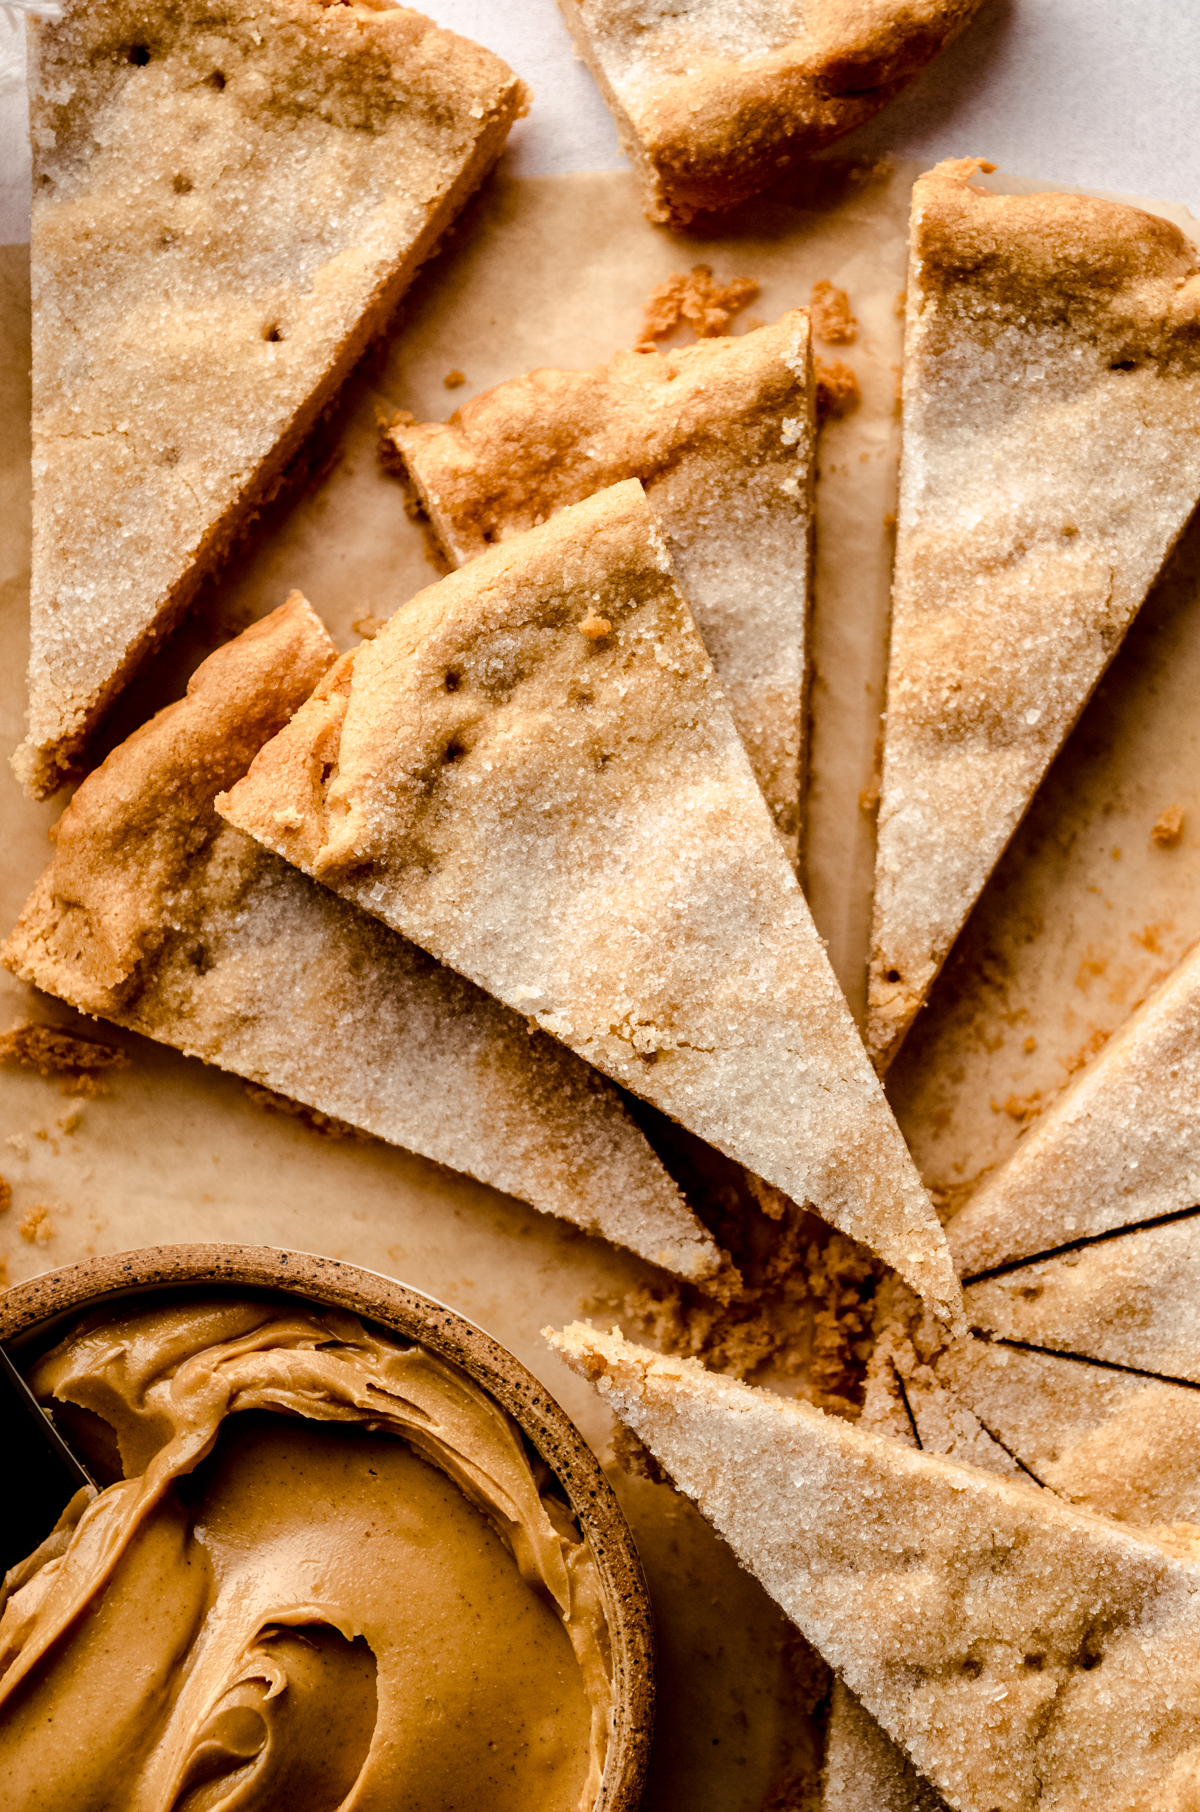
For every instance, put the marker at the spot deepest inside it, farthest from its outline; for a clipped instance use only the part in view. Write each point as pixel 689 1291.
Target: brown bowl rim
pixel 58 1294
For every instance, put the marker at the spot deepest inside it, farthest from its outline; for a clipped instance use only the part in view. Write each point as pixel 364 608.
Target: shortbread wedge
pixel 159 916
pixel 531 772
pixel 1120 1145
pixel 1130 1299
pixel 1117 1443
pixel 1024 1653
pixel 1051 457
pixel 228 203
pixel 712 103
pixel 721 435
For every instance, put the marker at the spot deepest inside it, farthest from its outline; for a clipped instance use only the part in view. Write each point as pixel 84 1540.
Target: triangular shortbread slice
pixel 228 203
pixel 1120 1145
pixel 1132 1299
pixel 721 435
pixel 1024 1653
pixel 1120 1444
pixel 531 772
pixel 1051 457
pixel 161 917
pixel 712 103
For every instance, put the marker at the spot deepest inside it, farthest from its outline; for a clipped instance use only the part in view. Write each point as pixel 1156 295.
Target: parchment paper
pixel 555 270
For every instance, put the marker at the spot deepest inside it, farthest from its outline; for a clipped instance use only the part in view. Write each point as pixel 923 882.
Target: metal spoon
pixel 41 1472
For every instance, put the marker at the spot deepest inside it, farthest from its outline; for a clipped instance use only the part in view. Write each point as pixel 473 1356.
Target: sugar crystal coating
pixel 229 200
pixel 571 821
pixel 1023 1653
pixel 1120 1145
pixel 1051 457
pixel 721 435
pixel 1130 1299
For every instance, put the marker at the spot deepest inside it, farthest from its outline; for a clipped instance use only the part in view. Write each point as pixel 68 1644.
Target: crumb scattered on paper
pixel 368 627
pixel 1021 1108
pixel 837 390
pixel 454 380
pixel 86 1083
pixel 5 1195
pixel 1168 827
pixel 53 1052
pixel 694 299
pixel 37 1228
pixel 831 315
pixel 312 1117
pixel 3 1274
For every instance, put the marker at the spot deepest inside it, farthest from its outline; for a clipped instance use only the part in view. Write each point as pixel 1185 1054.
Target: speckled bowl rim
pixel 26 1309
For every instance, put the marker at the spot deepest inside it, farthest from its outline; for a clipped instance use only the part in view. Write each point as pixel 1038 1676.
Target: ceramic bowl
pixel 35 1315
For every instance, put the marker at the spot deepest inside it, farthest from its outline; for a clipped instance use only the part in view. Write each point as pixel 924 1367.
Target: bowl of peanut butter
pixel 344 1553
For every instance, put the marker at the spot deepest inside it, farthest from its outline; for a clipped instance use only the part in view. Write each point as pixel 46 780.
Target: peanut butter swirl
pixel 284 1605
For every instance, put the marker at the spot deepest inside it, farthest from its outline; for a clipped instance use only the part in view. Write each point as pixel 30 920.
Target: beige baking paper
pixel 1066 940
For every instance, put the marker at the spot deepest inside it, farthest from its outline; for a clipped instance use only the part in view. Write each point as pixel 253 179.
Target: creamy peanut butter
pixel 283 1607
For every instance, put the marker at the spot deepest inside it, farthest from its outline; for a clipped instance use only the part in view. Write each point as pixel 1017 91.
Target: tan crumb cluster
pixel 832 317
pixel 226 209
pixel 1023 1652
pixel 693 299
pixel 36 1228
pixel 804 1311
pixel 1051 456
pixel 721 434
pixel 714 103
pixel 574 825
pixel 838 394
pixel 5 1195
pixel 1167 828
pixel 52 1052
pixel 155 914
pixel 1120 1144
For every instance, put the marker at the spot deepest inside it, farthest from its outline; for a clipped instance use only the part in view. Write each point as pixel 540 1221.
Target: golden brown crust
pixel 179 361
pixel 154 792
pixel 1051 457
pixel 714 109
pixel 721 436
